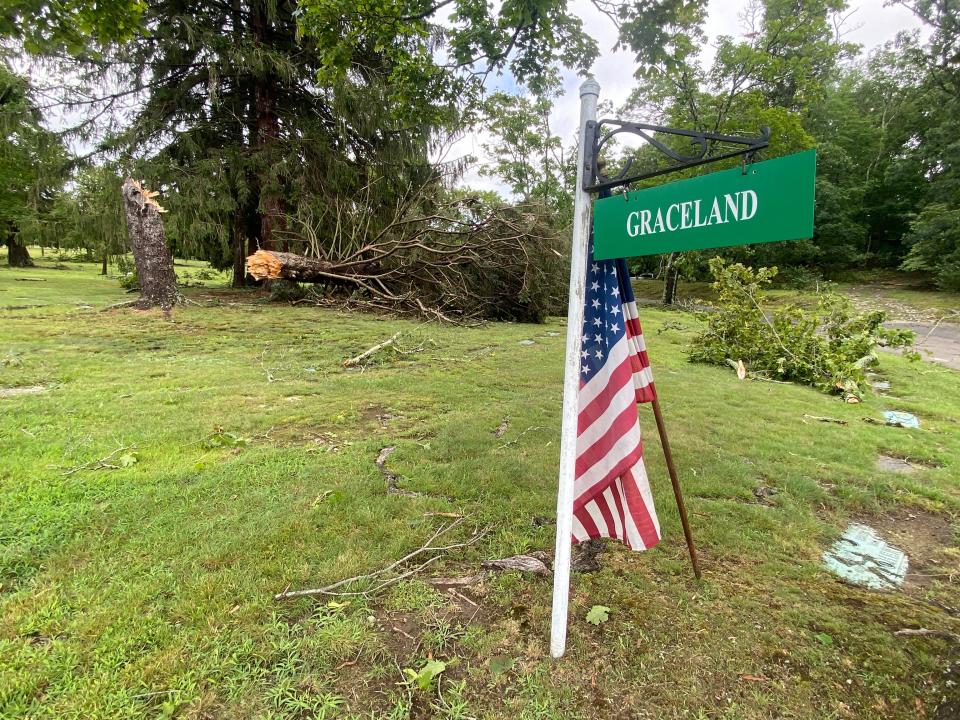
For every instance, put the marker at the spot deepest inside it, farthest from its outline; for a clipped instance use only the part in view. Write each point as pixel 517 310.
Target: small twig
pixel 405 634
pixel 115 306
pixel 518 437
pixel 153 694
pixel 354 361
pixel 426 547
pixel 101 463
pixel 821 418
pixel 952 313
pixel 461 596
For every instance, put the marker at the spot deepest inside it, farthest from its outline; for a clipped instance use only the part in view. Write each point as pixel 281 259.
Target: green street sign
pixel 770 201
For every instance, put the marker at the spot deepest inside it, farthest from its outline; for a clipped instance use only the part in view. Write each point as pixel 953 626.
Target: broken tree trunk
pixel 158 283
pixel 273 265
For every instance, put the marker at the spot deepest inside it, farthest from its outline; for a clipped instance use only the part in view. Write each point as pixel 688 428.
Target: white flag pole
pixel 589 93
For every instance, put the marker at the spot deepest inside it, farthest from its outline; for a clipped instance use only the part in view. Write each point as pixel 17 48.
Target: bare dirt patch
pixel 375 413
pixel 892 461
pixel 24 390
pixel 927 539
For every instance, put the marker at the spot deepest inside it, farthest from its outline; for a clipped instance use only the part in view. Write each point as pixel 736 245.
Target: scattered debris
pixel 551 333
pixel 894 464
pixel 586 556
pixel 462 581
pixel 520 563
pixel 380 584
pixel 863 558
pixel 518 437
pixel 763 493
pixel 388 475
pixel 924 632
pixel 598 615
pixel 24 390
pixel 540 521
pixel 901 419
pixel 113 461
pixel 739 367
pixel 501 428
pixel 820 418
pixel 354 361
pixel 526 342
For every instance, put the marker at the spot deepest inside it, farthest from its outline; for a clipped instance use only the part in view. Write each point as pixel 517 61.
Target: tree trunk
pixel 158 283
pixel 238 238
pixel 269 265
pixel 17 255
pixel 268 130
pixel 103 262
pixel 670 278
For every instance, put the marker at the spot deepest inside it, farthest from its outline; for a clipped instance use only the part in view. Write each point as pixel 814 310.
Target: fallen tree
pixel 461 259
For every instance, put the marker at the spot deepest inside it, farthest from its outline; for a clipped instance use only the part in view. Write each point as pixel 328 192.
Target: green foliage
pixel 598 615
pixel 158 578
pixel 71 25
pixel 827 347
pixel 423 678
pixel 934 240
pixel 32 163
pixel 286 291
pixel 127 269
pixel 526 154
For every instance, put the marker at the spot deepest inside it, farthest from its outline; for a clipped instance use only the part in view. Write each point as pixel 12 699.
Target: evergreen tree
pixel 31 168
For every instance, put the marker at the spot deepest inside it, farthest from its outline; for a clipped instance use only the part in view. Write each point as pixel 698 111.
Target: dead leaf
pixel 754 678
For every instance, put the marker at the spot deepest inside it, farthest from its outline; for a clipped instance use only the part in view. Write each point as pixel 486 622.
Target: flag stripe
pixel 611 491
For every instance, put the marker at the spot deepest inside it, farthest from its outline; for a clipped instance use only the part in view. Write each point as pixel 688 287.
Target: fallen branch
pixel 951 314
pixel 518 437
pixel 354 361
pixel 102 463
pixel 821 418
pixel 924 632
pixel 520 563
pixel 389 476
pixel 115 306
pixel 427 547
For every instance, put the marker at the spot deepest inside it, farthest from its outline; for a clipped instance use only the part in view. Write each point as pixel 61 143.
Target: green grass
pixel 146 590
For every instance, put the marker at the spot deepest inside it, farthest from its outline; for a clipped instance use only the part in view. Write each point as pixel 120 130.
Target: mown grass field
pixel 244 466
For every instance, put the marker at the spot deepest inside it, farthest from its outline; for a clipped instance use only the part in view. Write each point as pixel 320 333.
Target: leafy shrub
pixel 801 278
pixel 286 291
pixel 129 280
pixel 934 240
pixel 828 347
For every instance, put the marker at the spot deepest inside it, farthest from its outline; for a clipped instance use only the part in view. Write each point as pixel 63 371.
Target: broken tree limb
pixel 427 547
pixel 520 563
pixel 822 418
pixel 273 265
pixel 924 632
pixel 354 361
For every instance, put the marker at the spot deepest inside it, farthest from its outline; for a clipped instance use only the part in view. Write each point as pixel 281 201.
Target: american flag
pixel 611 492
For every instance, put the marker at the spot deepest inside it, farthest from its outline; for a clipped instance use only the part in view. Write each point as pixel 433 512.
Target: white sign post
pixel 589 93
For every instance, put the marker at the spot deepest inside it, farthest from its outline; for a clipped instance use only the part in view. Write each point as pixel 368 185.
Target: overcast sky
pixel 871 24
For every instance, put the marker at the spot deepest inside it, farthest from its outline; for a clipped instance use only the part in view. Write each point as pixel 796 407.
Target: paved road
pixel 942 345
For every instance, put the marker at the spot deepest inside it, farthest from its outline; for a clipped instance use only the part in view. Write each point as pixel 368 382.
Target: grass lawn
pixel 241 463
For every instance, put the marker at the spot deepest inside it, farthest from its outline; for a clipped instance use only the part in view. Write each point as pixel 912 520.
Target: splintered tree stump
pixel 158 282
pixel 271 265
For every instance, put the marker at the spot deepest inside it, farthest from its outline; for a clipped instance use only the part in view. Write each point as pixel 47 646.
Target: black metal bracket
pixel 708 148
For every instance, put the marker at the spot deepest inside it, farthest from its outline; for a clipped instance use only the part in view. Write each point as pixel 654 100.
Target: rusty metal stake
pixel 671 468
